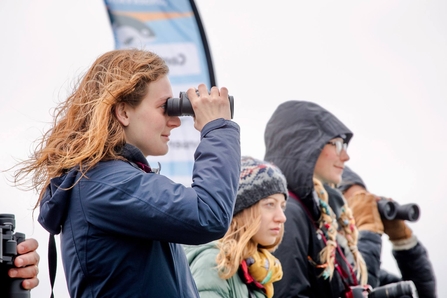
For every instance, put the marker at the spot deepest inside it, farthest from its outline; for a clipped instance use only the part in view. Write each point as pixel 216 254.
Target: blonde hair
pixel 351 233
pixel 237 243
pixel 85 129
pixel 347 224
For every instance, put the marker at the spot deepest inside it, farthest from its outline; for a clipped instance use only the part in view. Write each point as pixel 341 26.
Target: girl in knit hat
pixel 241 264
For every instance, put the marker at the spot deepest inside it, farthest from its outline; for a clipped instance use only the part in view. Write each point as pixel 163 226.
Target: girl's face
pixel 272 219
pixel 148 126
pixel 331 162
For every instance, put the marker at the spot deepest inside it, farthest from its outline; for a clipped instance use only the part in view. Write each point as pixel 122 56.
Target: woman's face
pixel 148 126
pixel 272 219
pixel 331 162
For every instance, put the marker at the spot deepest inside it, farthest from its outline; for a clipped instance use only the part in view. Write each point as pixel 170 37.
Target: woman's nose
pixel 344 156
pixel 280 216
pixel 174 121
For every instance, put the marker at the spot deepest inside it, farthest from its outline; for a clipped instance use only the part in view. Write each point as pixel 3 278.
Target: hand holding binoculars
pixel 10 287
pixel 182 106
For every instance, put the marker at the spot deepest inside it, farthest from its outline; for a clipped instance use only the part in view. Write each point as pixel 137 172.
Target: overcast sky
pixel 380 66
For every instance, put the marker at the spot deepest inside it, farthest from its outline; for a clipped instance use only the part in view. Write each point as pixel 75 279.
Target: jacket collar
pixel 136 158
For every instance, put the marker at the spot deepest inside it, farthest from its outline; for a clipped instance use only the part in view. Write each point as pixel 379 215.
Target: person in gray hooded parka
pixel 323 252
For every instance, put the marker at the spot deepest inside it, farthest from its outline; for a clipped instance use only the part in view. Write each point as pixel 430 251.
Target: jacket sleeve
pixel 292 253
pixel 125 201
pixel 370 246
pixel 414 264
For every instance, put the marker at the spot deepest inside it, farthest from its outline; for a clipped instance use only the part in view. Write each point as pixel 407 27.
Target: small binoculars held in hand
pixel 182 106
pixel 391 210
pixel 10 287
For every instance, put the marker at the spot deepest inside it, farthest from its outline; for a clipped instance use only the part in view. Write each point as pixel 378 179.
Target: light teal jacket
pixel 202 261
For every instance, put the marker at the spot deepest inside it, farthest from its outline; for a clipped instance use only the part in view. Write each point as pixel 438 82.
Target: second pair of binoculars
pixel 181 106
pixel 390 210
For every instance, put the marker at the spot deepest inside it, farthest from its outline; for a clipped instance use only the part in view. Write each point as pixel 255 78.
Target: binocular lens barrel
pixel 182 106
pixel 392 210
pixel 399 289
pixel 408 212
pixel 8 219
pixel 387 209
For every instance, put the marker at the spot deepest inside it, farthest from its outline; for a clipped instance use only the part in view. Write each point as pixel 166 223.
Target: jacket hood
pixel 56 199
pixel 294 137
pixel 350 178
pixel 55 202
pixel 193 251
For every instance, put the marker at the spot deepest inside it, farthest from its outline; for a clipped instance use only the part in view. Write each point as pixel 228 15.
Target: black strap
pixel 52 262
pixel 250 293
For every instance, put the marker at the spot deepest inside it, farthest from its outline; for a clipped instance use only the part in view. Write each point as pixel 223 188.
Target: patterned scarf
pixel 260 271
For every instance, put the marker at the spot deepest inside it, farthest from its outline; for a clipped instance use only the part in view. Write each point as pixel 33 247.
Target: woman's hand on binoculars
pixel 397 229
pixel 26 264
pixel 209 106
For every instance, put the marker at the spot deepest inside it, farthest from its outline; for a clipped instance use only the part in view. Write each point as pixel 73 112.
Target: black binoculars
pixel 10 287
pixel 182 106
pixel 399 289
pixel 391 210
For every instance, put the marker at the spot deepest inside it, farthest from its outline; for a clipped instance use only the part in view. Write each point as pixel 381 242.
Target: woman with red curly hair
pixel 122 223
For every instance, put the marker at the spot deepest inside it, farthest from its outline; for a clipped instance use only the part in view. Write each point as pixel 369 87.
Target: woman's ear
pixel 121 114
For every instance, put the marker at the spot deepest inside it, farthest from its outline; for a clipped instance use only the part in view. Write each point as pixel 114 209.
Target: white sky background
pixel 380 66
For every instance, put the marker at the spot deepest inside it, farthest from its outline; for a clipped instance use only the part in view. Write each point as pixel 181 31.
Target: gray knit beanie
pixel 258 180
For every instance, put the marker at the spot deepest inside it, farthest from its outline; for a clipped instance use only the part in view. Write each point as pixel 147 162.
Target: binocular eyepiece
pixel 392 210
pixel 182 106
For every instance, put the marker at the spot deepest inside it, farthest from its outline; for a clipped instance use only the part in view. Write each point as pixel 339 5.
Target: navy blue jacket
pixel 122 227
